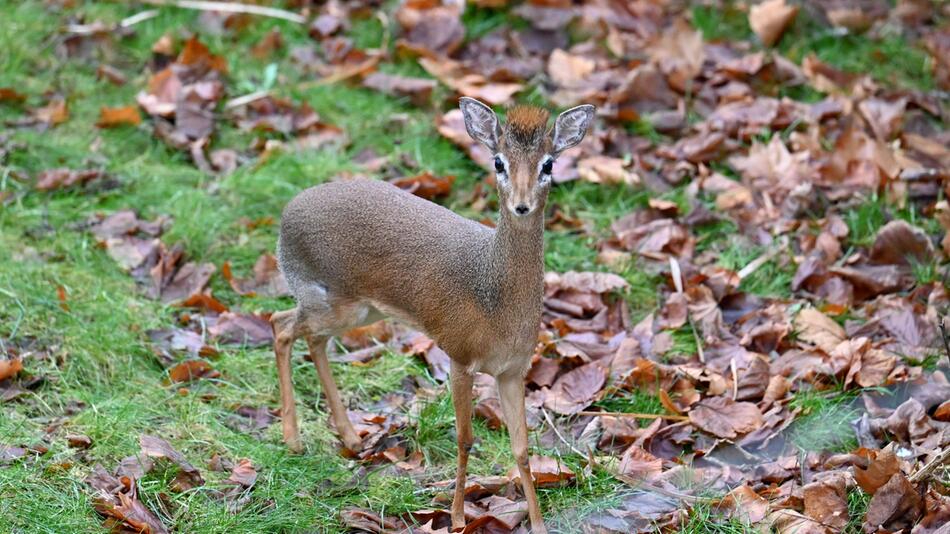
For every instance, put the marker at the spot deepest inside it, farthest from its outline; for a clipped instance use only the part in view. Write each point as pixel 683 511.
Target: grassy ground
pixel 100 355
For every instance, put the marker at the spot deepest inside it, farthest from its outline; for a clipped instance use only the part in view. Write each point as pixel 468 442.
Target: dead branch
pixel 231 7
pixel 636 415
pixel 946 340
pixel 924 472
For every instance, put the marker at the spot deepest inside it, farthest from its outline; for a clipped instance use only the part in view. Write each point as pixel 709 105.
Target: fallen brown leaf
pixel 606 170
pixel 188 476
pixel 242 328
pixel 426 185
pixel 240 482
pixel 576 389
pixel 879 471
pixel 770 18
pixel 895 505
pixel 168 343
pixel 270 43
pixel 53 179
pixel 8 94
pixel 417 90
pixel 899 243
pixel 826 502
pixel 818 329
pixel 268 281
pixel 189 370
pixel 54 113
pixel 10 368
pixel 431 30
pixel 569 70
pixel 745 504
pixel 640 464
pixel 724 417
pixel 363 520
pixel 547 472
pixel 79 441
pixel 121 116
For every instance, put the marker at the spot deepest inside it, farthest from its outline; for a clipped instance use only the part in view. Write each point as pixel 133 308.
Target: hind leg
pixel 318 353
pixel 285 333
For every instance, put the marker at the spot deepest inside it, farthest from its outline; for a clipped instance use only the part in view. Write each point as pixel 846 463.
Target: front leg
pixel 511 393
pixel 462 400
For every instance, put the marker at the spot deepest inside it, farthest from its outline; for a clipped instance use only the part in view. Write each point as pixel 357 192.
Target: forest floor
pixel 797 306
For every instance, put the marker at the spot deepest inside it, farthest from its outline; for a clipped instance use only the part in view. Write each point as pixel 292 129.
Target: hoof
pixel 351 450
pixel 295 446
pixel 353 444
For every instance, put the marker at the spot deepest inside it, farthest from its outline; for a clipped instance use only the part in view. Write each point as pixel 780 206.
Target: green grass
pixel 709 235
pixel 864 220
pixel 635 401
pixel 433 431
pixel 100 355
pixel 771 279
pixel 856 53
pixel 869 214
pixel 719 23
pixel 824 422
pixel 684 343
pixel 644 128
pixel 565 509
pixel 859 53
pixel 480 21
pixel 705 519
pixel 857 509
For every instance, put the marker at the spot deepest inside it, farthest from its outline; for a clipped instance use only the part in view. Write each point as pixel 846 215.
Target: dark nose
pixel 521 209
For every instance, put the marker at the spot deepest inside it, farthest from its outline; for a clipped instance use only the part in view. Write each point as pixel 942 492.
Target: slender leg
pixel 511 392
pixel 462 400
pixel 284 336
pixel 318 353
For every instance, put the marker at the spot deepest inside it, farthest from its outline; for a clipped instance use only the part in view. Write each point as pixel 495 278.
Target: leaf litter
pixel 858 315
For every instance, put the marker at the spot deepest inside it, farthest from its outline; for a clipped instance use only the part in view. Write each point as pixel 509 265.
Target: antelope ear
pixel 571 127
pixel 481 122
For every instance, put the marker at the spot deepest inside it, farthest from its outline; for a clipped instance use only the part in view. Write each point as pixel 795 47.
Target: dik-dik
pixel 356 251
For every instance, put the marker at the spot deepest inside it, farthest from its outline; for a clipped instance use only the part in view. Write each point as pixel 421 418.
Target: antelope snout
pixel 520 209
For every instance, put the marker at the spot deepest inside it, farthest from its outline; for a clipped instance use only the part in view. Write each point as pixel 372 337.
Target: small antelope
pixel 356 251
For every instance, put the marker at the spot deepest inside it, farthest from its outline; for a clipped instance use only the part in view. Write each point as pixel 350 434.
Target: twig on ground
pixel 245 99
pixel 383 48
pixel 636 415
pixel 232 7
pixel 699 342
pixel 344 73
pixel 677 275
pixel 646 486
pixel 946 340
pixel 138 17
pixel 735 379
pixel 924 472
pixel 754 265
pixel 557 432
pixel 128 22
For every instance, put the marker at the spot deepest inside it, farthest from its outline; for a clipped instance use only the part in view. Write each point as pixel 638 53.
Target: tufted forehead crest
pixel 526 125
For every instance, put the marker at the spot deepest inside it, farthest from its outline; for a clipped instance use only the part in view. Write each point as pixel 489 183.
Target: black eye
pixel 547 167
pixel 499 165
